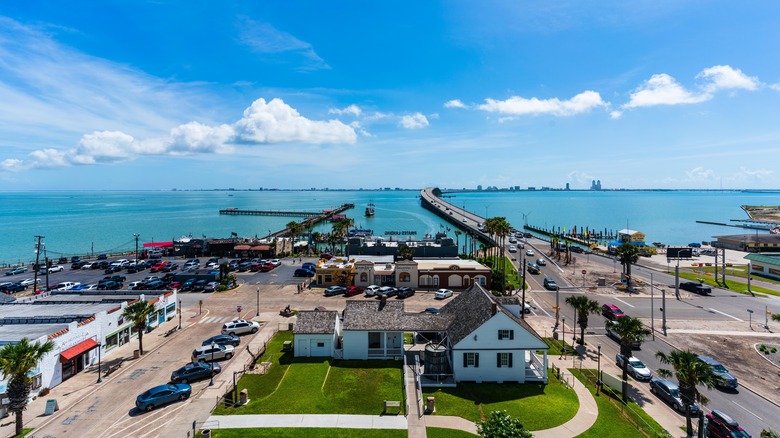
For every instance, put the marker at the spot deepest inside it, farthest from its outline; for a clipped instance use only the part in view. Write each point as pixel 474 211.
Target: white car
pixel 442 294
pixel 512 248
pixel 541 262
pixel 133 285
pixel 65 285
pixel 27 282
pixel 54 268
pixel 276 262
pixel 207 353
pixel 636 367
pixel 212 265
pixel 120 262
pixel 372 290
pixel 239 327
pixel 87 265
pixel 92 286
pixel 529 253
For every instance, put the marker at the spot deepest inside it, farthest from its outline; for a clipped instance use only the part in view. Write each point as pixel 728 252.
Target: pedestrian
pixel 300 259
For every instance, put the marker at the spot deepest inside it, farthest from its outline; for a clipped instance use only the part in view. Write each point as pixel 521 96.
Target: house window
pixel 504 360
pixel 506 334
pixel 471 360
pixel 435 280
pixel 363 277
pixel 405 277
pixel 320 344
pixel 328 278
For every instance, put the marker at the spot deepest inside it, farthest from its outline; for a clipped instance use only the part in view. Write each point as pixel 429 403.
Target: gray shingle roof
pixel 374 315
pixel 315 322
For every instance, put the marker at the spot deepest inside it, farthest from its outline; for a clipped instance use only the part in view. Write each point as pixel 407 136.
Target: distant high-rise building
pixel 595 184
pixel 567 186
pixel 479 187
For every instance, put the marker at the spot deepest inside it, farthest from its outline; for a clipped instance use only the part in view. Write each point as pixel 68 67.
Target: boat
pixel 370 209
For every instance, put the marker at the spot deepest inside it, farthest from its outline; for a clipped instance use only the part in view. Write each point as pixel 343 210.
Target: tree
pixel 16 360
pixel 631 332
pixel 294 229
pixel 138 313
pixel 405 252
pixel 628 254
pixel 583 307
pixel 690 373
pixel 502 425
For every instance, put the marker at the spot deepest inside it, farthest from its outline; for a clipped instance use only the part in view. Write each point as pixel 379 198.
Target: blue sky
pixel 207 94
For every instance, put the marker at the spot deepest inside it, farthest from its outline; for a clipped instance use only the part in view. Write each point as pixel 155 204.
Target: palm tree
pixel 138 313
pixel 16 360
pixel 294 228
pixel 631 332
pixel 316 237
pixel 628 254
pixel 583 307
pixel 690 373
pixel 405 252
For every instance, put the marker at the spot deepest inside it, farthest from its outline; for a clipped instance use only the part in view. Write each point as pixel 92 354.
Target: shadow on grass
pixel 489 393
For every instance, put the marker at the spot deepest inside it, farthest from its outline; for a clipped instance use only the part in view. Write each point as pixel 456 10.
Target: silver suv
pixel 240 327
pixel 208 353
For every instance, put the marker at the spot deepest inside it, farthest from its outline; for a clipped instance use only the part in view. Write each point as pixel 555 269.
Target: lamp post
pixel 179 309
pixel 136 247
pixel 211 364
pixel 598 373
pixel 100 364
pixel 563 337
pixel 258 302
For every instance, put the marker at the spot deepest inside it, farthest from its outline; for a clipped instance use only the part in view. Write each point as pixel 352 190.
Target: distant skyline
pixel 120 95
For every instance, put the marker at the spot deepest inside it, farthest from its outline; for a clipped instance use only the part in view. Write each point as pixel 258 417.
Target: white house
pixel 479 337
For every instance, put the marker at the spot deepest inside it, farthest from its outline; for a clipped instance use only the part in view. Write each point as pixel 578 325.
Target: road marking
pixel 629 305
pixel 726 314
pixel 751 413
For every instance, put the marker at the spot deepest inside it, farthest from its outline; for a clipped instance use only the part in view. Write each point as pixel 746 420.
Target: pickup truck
pixel 697 288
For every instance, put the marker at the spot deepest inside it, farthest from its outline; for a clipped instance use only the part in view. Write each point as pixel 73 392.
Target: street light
pixel 258 301
pixel 563 337
pixel 211 364
pixel 179 309
pixel 100 365
pixel 598 375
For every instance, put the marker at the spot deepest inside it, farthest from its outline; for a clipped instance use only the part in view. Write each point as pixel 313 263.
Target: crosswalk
pixel 215 320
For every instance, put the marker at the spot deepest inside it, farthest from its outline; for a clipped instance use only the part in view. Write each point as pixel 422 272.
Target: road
pixel 723 307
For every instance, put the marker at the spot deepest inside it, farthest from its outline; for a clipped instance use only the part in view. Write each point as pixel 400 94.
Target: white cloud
pixel 266 39
pixel 775 87
pixel 724 77
pixel 745 174
pixel 455 103
pixel 414 121
pixel 663 89
pixel 700 174
pixel 262 123
pixel 515 105
pixel 352 109
pixel 615 114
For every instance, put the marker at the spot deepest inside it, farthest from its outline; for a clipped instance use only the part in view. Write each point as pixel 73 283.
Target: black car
pixel 117 278
pixel 109 285
pixel 223 340
pixel 577 249
pixel 697 288
pixel 102 257
pixel 405 292
pixel 199 285
pixel 77 265
pixel 63 260
pixel 195 371
pixel 187 285
pixel 171 267
pixel 112 268
pixel 154 285
pixel 103 264
pixel 168 277
pixel 11 288
pixel 550 284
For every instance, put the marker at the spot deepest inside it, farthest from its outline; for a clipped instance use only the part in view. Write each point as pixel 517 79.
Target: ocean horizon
pixel 79 222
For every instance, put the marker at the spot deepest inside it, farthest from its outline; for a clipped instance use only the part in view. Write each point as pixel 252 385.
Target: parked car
pixel 62 260
pixel 109 285
pixel 243 267
pixel 240 327
pixel 65 285
pixel 82 265
pixel 720 425
pixel 133 285
pixel 309 266
pixel 9 288
pixel 199 285
pixel 541 262
pixel 112 268
pixel 725 379
pixel 697 288
pixel 405 292
pixel 353 290
pixel 195 371
pixel 577 249
pixel 386 291
pixel 212 352
pixel 53 269
pixel 614 335
pixel 300 272
pixel 670 393
pixel 154 285
pixel 170 267
pixel 15 271
pixel 187 285
pixel 611 311
pixel 102 256
pixel 636 368
pixel 276 262
pixel 211 286
pixel 442 294
pixel 27 282
pixel 432 310
pixel 117 278
pixel 372 290
pixel 335 290
pixel 223 340
pixel 75 259
pixel 550 284
pixel 162 395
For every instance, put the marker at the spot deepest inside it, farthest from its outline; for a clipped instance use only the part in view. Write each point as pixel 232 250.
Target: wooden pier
pixel 238 212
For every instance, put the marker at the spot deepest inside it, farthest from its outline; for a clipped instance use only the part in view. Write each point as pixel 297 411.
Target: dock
pixel 287 213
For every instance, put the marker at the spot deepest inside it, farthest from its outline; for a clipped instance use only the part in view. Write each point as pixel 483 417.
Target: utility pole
pixel 37 264
pixel 136 235
pixel 652 305
pixel 522 305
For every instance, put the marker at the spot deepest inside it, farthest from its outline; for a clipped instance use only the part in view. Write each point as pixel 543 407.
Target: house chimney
pixel 494 308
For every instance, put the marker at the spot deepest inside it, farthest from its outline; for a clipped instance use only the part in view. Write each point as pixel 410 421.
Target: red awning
pixel 158 245
pixel 74 351
pixel 261 248
pixel 241 247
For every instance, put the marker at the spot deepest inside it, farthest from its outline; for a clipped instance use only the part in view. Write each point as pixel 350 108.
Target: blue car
pixel 162 395
pixel 303 273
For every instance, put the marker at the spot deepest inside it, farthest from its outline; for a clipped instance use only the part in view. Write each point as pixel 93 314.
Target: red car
pixel 326 256
pixel 158 267
pixel 267 266
pixel 354 290
pixel 612 311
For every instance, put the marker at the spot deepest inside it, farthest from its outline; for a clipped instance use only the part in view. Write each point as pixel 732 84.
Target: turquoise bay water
pixel 77 223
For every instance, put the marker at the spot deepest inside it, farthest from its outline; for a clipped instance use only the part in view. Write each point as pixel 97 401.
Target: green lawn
pixel 277 432
pixel 314 386
pixel 735 286
pixel 537 406
pixel 615 420
pixel 556 345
